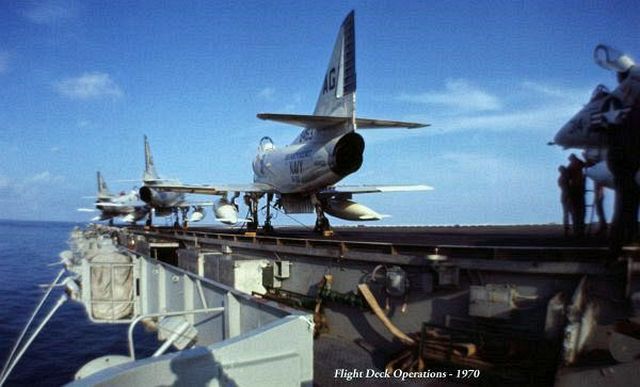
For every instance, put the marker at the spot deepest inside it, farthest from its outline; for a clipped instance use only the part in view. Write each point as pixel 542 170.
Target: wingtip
pixel 418 126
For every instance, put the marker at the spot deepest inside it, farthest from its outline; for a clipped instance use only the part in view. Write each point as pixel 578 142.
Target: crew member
pixel 563 183
pixel 576 184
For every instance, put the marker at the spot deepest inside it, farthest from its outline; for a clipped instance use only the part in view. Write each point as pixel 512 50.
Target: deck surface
pixel 516 236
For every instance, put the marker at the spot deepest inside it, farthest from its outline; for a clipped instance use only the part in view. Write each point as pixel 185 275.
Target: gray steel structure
pixel 223 336
pixel 538 314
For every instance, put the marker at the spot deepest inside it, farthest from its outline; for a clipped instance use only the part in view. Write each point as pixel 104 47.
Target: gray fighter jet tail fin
pixel 338 92
pixel 150 173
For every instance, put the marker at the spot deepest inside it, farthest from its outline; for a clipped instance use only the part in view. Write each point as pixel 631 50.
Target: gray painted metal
pixel 277 354
pixel 438 290
pixel 227 331
pixel 406 280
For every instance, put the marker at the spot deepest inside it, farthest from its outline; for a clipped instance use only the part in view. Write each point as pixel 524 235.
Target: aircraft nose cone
pixel 563 137
pixel 576 132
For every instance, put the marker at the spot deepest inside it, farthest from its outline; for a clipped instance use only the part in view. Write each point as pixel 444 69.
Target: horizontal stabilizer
pixel 160 181
pixel 370 123
pixel 137 204
pixel 319 122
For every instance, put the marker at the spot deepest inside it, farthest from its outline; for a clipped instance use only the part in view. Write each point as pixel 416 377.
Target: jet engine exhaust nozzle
pixel 146 194
pixel 346 157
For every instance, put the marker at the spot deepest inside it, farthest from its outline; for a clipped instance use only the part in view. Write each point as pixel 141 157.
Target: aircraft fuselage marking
pixel 329 81
pixel 296 163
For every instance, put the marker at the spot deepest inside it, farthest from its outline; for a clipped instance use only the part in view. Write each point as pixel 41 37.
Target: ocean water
pixel 69 340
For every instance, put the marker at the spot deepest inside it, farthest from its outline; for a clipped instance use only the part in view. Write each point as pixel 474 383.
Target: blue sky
pixel 82 81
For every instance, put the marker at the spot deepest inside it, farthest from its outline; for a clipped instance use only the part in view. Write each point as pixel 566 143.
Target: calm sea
pixel 69 340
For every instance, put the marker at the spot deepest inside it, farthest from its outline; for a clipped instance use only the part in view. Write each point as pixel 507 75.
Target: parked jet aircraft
pixel 302 175
pixel 125 205
pixel 587 128
pixel 166 203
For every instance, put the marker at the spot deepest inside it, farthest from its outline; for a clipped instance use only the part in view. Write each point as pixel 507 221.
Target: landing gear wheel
pixel 185 214
pixel 268 228
pixel 252 202
pixel 252 226
pixel 322 225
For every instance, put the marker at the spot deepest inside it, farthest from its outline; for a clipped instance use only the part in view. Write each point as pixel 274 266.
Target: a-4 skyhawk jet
pixel 125 205
pixel 166 203
pixel 302 175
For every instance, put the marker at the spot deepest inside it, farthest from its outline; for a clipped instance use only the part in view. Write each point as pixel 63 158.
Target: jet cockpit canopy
pixel 610 58
pixel 266 144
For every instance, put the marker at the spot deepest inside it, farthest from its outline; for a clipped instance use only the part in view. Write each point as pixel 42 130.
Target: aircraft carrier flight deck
pixel 456 235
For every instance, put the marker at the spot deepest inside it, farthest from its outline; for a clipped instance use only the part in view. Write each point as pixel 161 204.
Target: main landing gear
pixel 149 222
pixel 252 201
pixel 267 227
pixel 322 223
pixel 185 213
pixel 185 219
pixel 176 218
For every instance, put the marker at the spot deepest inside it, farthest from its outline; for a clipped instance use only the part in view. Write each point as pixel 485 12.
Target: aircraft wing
pixel 318 122
pixel 265 188
pixel 358 189
pixel 222 189
pixel 123 205
pixel 141 204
